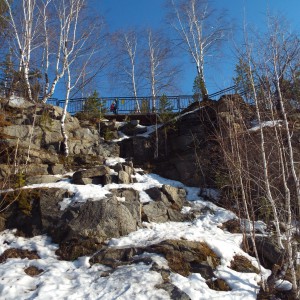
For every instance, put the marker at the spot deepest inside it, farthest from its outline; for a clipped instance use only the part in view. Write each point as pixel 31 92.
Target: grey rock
pixel 50 209
pixel 101 220
pixel 268 251
pixel 156 194
pixel 154 212
pixel 19 102
pixel 132 129
pixel 169 195
pixel 57 169
pixel 128 169
pixel 117 167
pixel 18 131
pixel 44 156
pixel 175 215
pixel 96 175
pixel 41 179
pixel 123 177
pixel 40 213
pixel 175 195
pixel 6 170
pixel 132 202
pixel 114 257
pixel 38 169
pixel 173 291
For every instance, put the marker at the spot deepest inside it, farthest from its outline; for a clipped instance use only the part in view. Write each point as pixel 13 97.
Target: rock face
pixel 36 150
pixel 188 149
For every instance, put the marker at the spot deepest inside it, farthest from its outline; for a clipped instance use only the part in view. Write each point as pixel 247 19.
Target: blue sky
pixel 122 14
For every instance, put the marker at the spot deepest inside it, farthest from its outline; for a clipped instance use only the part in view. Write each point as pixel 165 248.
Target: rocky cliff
pixel 188 146
pixel 31 141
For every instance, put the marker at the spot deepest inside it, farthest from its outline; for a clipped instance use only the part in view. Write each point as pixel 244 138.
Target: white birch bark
pixel 264 157
pixel 289 233
pixel 73 47
pixel 198 39
pixel 131 48
pixel 24 35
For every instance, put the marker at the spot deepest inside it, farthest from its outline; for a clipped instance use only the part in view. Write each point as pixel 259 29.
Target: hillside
pixel 96 225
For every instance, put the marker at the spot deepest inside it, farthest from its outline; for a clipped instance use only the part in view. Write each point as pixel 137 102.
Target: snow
pixel 80 280
pixel 283 285
pixel 259 226
pixel 111 161
pixel 266 124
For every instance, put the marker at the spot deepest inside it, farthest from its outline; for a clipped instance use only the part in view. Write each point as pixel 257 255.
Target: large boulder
pixel 139 148
pixel 101 220
pixel 188 150
pixel 268 251
pixel 41 179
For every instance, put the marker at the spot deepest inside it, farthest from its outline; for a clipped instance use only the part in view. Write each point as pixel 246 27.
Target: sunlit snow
pixel 78 280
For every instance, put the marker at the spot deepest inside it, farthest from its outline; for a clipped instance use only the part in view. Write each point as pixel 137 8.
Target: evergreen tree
pixel 242 79
pixel 165 115
pixel 94 108
pixel 197 88
pixel 165 109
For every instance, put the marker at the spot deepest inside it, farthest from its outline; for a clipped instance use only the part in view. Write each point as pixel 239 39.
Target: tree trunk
pixel 63 118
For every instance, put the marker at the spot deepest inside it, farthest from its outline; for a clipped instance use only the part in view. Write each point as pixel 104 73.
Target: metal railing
pixel 125 105
pixel 129 105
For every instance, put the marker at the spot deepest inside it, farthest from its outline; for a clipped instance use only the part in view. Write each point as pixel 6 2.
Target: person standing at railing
pixel 114 106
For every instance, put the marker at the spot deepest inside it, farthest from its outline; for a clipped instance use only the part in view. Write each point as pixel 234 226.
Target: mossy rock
pixel 33 271
pixel 185 257
pixel 71 250
pixel 243 265
pixel 233 226
pixel 18 253
pixel 218 285
pixel 24 198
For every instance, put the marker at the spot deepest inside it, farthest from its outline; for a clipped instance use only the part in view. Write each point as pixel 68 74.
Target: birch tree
pixel 160 71
pixel 272 172
pixel 200 32
pixel 127 68
pixel 24 35
pixel 77 50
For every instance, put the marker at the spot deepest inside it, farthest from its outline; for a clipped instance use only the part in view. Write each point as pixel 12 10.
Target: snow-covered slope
pixel 80 280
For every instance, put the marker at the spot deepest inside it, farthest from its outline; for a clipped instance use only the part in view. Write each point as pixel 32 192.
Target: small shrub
pixel 24 198
pixel 109 135
pixel 45 120
pixel 20 180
